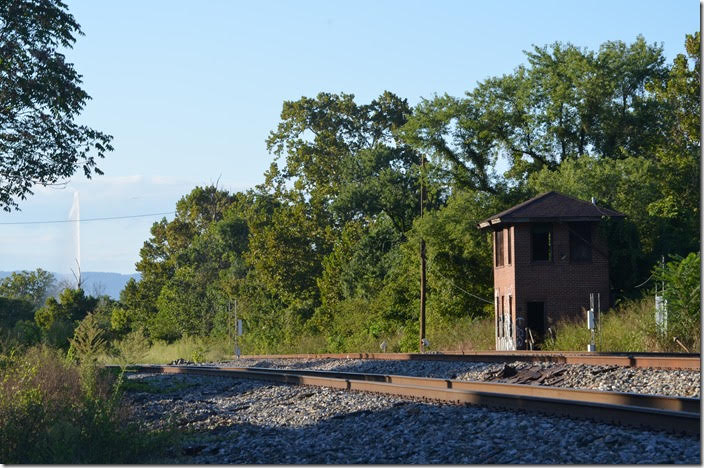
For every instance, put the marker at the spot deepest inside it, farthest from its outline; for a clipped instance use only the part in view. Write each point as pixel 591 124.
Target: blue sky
pixel 190 90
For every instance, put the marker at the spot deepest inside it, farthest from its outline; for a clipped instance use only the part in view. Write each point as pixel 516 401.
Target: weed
pixel 49 415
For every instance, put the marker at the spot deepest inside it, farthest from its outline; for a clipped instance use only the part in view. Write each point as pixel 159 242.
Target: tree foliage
pixel 326 249
pixel 31 286
pixel 682 292
pixel 40 98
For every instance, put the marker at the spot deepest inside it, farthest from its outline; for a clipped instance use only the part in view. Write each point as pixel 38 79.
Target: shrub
pixel 681 277
pixel 46 415
pixel 628 327
pixel 133 348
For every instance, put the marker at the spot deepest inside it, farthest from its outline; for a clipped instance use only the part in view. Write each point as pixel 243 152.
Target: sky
pixel 190 91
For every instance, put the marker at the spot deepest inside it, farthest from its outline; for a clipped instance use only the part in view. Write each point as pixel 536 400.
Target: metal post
pixel 237 347
pixel 422 259
pixel 591 347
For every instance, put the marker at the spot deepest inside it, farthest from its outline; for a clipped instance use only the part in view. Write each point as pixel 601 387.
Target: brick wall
pixel 563 286
pixel 504 281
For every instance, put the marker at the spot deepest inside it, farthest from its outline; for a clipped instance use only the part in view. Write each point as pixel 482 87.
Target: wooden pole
pixel 422 259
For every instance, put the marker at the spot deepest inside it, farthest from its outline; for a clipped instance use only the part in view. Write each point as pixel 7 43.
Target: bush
pixel 13 311
pixel 629 327
pixel 133 348
pixel 27 333
pixel 681 277
pixel 46 415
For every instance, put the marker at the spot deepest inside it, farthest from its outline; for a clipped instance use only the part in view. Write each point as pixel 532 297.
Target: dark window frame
pixel 581 250
pixel 499 247
pixel 508 242
pixel 548 229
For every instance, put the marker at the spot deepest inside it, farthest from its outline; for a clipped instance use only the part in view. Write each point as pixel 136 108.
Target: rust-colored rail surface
pixel 674 414
pixel 656 360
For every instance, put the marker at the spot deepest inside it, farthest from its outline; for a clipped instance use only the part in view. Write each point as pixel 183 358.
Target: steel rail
pixel 673 403
pixel 653 360
pixel 654 412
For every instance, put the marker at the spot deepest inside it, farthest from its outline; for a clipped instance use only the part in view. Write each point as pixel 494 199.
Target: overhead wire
pixel 89 219
pixel 457 287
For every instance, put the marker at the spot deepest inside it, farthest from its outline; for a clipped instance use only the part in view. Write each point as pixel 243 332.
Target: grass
pixel 49 413
pixel 463 335
pixel 629 327
pixel 135 349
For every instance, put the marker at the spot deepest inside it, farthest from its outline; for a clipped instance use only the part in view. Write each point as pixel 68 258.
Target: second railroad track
pixel 672 414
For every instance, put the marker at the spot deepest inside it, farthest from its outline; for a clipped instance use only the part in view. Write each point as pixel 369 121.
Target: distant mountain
pixel 95 282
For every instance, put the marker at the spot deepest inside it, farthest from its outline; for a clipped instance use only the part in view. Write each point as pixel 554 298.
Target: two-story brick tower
pixel 548 258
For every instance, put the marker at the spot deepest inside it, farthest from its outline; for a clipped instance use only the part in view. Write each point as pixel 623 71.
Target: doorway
pixel 536 322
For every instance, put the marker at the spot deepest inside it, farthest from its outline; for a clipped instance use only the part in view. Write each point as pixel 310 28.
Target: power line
pixel 457 287
pixel 91 219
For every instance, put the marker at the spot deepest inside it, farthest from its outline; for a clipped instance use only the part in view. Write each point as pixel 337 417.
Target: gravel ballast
pixel 606 378
pixel 242 421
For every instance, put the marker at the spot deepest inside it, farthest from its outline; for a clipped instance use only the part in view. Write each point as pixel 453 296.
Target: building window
pixel 508 247
pixel 541 242
pixel 580 242
pixel 499 243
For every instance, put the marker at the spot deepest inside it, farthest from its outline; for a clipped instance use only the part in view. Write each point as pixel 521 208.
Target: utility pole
pixel 422 258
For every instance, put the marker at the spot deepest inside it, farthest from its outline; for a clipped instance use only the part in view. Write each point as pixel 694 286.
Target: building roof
pixel 550 207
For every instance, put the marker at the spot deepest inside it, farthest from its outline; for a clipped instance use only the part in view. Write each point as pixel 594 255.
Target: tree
pixel 679 153
pixel 40 98
pixel 72 305
pixel 346 159
pixel 31 286
pixel 13 311
pixel 565 103
pixel 657 187
pixel 682 281
pixel 58 319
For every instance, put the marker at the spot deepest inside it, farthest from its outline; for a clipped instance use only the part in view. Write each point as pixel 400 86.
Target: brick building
pixel 548 258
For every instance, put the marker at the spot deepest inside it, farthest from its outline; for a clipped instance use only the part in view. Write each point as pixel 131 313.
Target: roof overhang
pixel 498 222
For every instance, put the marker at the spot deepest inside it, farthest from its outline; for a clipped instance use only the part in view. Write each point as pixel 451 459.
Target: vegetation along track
pixel 656 360
pixel 674 414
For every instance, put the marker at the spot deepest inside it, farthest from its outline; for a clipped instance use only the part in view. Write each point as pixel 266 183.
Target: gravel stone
pixel 247 422
pixel 606 378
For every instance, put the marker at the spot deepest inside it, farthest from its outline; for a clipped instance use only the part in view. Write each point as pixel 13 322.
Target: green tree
pixel 57 319
pixel 40 142
pixel 176 244
pixel 346 159
pixel 31 286
pixel 682 281
pixel 678 154
pixel 354 306
pixel 13 311
pixel 459 255
pixel 565 103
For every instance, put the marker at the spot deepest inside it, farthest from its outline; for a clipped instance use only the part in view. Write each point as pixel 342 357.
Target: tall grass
pixel 464 334
pixel 629 327
pixel 49 414
pixel 135 349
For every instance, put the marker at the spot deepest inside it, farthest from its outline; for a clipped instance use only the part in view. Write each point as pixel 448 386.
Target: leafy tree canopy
pixel 40 98
pixel 31 286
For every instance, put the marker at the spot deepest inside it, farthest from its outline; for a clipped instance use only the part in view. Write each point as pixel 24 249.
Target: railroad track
pixel 673 414
pixel 655 360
